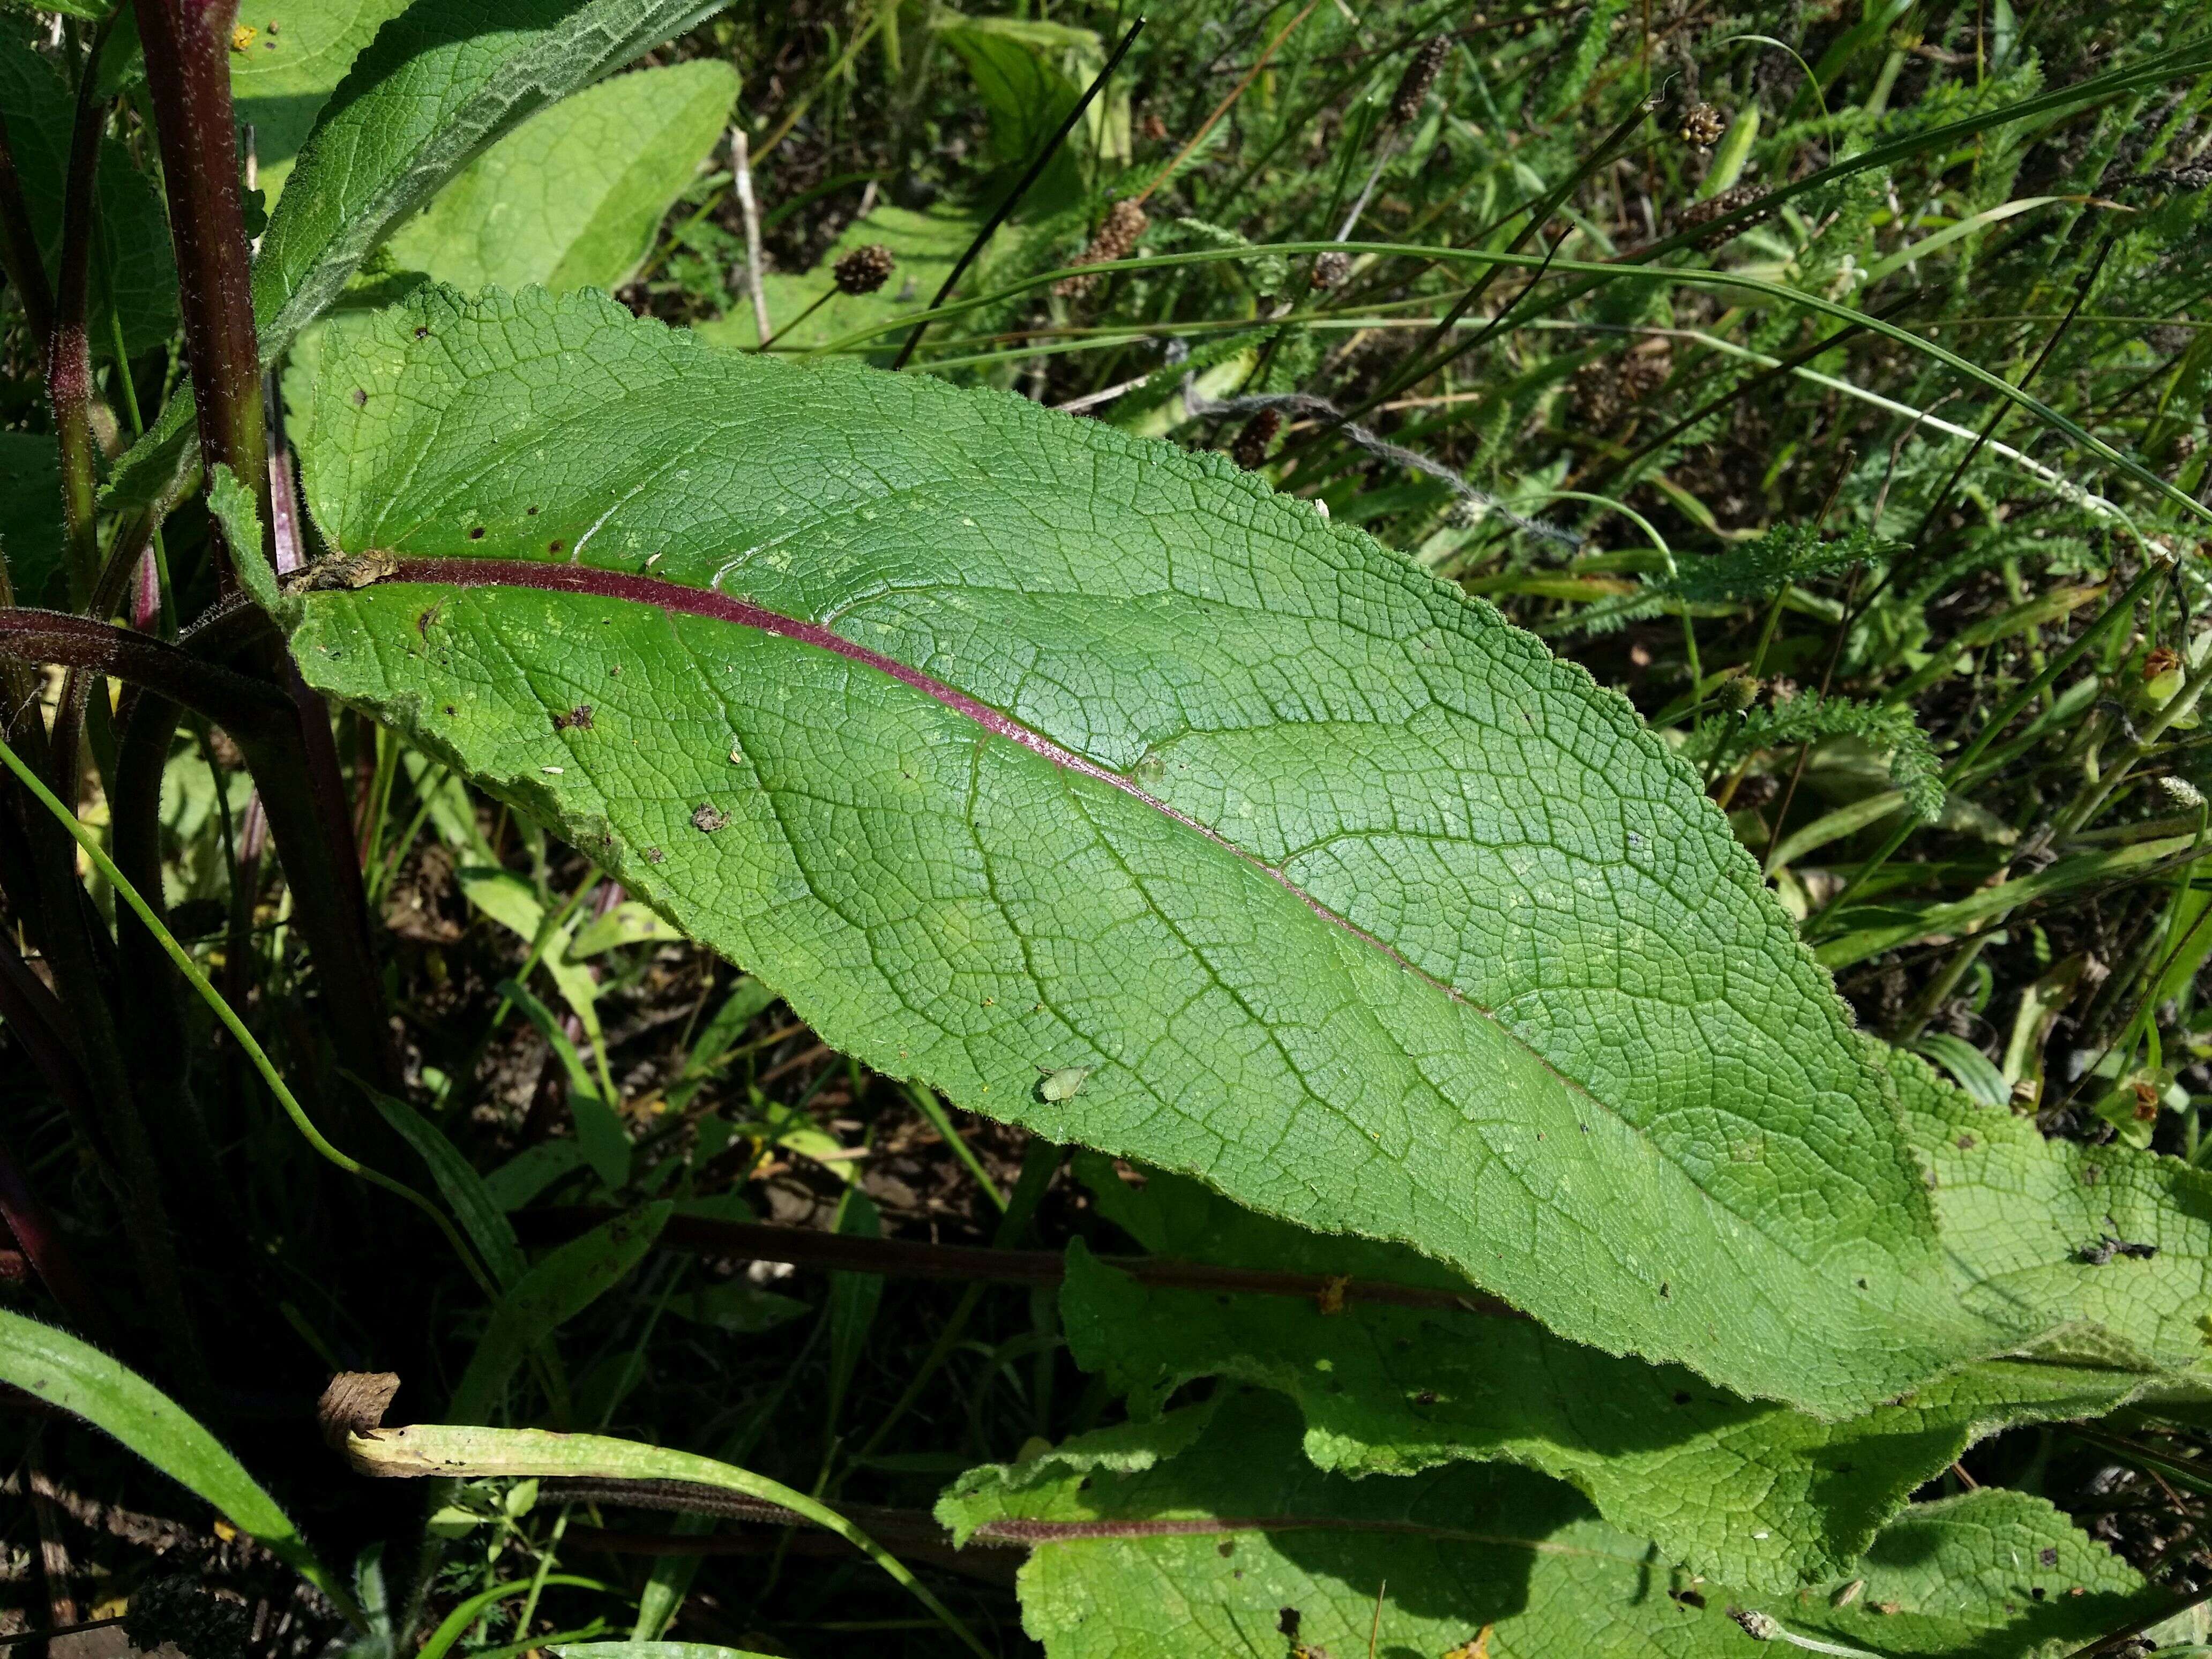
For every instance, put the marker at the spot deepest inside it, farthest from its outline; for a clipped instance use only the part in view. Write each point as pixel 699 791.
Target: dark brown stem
pixel 239 703
pixel 18 247
pixel 69 352
pixel 187 45
pixel 910 1259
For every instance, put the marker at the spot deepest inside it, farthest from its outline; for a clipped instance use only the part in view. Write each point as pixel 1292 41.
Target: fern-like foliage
pixel 1806 716
pixel 1756 570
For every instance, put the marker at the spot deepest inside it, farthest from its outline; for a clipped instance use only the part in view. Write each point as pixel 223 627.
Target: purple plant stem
pixel 187 45
pixel 69 352
pixel 239 703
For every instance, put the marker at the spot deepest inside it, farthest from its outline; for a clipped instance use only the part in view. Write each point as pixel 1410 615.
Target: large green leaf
pixel 2025 1220
pixel 1237 1545
pixel 133 270
pixel 77 1378
pixel 286 70
pixel 31 514
pixel 1749 1493
pixel 1032 745
pixel 436 85
pixel 571 198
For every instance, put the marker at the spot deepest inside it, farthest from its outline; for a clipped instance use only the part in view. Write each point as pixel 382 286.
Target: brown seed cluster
pixel 863 269
pixel 1703 126
pixel 1704 212
pixel 1117 240
pixel 1250 449
pixel 1605 390
pixel 1419 80
pixel 1330 269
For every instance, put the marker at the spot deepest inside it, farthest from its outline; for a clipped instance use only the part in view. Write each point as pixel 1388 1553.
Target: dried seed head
pixel 1646 369
pixel 1703 126
pixel 1116 239
pixel 1250 449
pixel 1704 212
pixel 2182 792
pixel 1420 78
pixel 1331 268
pixel 1597 403
pixel 863 269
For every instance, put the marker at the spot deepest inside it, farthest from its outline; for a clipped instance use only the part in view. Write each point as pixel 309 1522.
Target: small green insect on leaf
pixel 1065 1084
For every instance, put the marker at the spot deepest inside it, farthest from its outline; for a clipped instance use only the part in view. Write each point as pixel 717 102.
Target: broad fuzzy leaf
pixel 1239 1545
pixel 572 196
pixel 438 83
pixel 2024 1220
pixel 1749 1493
pixel 996 741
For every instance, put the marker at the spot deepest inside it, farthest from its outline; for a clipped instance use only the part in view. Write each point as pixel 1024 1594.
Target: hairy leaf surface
pixel 571 198
pixel 1001 744
pixel 438 83
pixel 1750 1492
pixel 1237 1544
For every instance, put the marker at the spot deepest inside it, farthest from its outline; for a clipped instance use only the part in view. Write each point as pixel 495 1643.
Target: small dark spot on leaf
pixel 2037 1591
pixel 422 333
pixel 1965 1142
pixel 422 624
pixel 553 547
pixel 2049 1558
pixel 1682 1396
pixel 476 534
pixel 1226 1549
pixel 449 709
pixel 1667 1289
pixel 1862 1284
pixel 531 511
pixel 1288 1621
pixel 578 719
pixel 1688 1598
pixel 708 818
pixel 360 397
pixel 1426 1397
pixel 653 855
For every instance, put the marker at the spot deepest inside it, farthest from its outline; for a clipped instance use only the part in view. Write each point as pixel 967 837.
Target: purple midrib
pixel 721 607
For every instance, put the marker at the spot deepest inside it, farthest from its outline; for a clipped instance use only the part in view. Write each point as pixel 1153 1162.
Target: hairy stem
pixel 188 73
pixel 69 352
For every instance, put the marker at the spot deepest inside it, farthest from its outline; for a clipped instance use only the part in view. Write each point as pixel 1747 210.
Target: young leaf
pixel 76 1377
pixel 572 196
pixel 437 84
pixel 997 741
pixel 1237 1544
pixel 1750 1493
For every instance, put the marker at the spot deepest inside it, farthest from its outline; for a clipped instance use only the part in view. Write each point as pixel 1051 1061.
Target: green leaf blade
pixel 1423 938
pixel 65 1372
pixel 435 86
pixel 571 198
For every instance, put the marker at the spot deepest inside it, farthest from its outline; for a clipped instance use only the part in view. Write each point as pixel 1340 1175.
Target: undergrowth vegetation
pixel 1286 829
